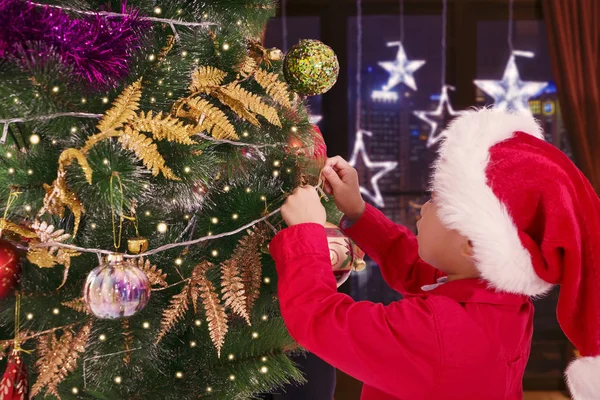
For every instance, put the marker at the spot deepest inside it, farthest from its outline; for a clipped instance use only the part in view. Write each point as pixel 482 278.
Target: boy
pixel 510 217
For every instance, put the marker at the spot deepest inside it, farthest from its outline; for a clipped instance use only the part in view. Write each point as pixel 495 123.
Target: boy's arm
pixel 394 248
pixel 395 349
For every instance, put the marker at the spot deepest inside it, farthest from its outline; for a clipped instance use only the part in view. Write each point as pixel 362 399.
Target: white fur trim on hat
pixel 467 204
pixel 583 378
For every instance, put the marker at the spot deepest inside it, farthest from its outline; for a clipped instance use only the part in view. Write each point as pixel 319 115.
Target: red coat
pixel 459 341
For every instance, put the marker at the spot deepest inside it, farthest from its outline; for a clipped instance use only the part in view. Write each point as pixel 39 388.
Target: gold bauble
pixel 137 245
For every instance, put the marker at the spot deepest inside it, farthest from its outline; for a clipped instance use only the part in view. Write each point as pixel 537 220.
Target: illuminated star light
pixel 511 92
pixel 401 70
pixel 315 119
pixel 438 121
pixel 386 166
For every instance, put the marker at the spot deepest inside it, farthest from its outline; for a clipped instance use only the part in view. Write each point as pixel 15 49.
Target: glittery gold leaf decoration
pixel 153 273
pixel 197 275
pixel 175 311
pixel 47 234
pixel 123 109
pixel 128 339
pixel 205 79
pixel 58 196
pixel 6 225
pixel 202 111
pixel 233 290
pixel 248 66
pixel 247 255
pixel 146 150
pixel 215 312
pixel 275 88
pixel 237 107
pixel 252 102
pixel 77 305
pixel 68 155
pixel 163 127
pixel 41 257
pixel 58 357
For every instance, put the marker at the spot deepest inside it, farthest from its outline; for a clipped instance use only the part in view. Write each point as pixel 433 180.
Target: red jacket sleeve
pixel 394 248
pixel 393 348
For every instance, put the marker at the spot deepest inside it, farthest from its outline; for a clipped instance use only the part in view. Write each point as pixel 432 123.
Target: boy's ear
pixel 467 248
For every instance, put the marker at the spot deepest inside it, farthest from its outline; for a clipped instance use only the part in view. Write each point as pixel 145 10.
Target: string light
pixel 29 316
pixel 226 188
pixel 209 233
pixel 37 95
pixel 294 129
pixel 235 216
pixel 231 357
pixel 205 15
pixel 214 220
pixel 267 280
pixel 245 134
pixel 385 167
pixel 239 22
pixel 55 311
pixel 118 380
pixel 162 227
pixel 263 198
pixel 74 390
pixel 197 322
pixel 225 46
pixel 264 369
pixel 105 100
pixel 146 325
pixel 180 11
pixel 102 337
pixel 401 70
pixel 179 374
pixel 29 172
pixel 186 216
pixel 160 82
pixel 215 253
pixel 276 173
pixel 254 335
pixel 152 57
pixel 511 92
pixel 73 129
pixel 264 317
pixel 232 377
pixel 248 190
pixel 16 100
pixel 83 100
pixel 184 53
pixel 8 154
pixel 209 389
pixel 55 89
pixel 147 213
pixel 178 261
pixel 152 99
pixel 157 10
pixel 11 171
pixel 105 161
pixel 54 142
pixel 93 226
pixel 263 359
pixel 276 163
pixel 192 344
pixel 34 139
pixel 169 94
pixel 27 208
pixel 187 170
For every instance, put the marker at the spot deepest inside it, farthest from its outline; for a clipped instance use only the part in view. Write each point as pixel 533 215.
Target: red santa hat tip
pixel 533 219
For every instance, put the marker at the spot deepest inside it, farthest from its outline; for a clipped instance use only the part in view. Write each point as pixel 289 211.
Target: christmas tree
pixel 146 149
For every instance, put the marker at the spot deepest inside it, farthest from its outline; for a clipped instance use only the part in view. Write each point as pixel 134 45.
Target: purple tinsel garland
pixel 97 49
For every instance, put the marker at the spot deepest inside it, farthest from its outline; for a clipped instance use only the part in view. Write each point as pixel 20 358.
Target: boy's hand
pixel 341 180
pixel 303 206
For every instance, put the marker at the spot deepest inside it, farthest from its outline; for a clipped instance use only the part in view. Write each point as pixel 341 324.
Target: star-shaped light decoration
pixel 385 167
pixel 438 118
pixel 401 70
pixel 315 119
pixel 511 92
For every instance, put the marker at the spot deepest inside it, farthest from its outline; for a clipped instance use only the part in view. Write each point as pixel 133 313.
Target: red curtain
pixel 573 28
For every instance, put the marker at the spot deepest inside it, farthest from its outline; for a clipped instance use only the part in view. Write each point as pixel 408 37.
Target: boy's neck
pixel 455 277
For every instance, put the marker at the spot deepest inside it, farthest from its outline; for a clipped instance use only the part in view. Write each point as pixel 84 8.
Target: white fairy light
pixel 401 70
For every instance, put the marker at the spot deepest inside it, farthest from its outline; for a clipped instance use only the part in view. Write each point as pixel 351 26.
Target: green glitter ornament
pixel 311 67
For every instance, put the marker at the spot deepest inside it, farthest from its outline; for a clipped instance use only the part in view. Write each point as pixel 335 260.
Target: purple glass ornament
pixel 97 49
pixel 116 289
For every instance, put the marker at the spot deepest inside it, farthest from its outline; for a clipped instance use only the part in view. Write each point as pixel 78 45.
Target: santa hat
pixel 533 219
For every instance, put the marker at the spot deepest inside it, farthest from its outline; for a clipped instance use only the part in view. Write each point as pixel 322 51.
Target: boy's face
pixel 445 249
